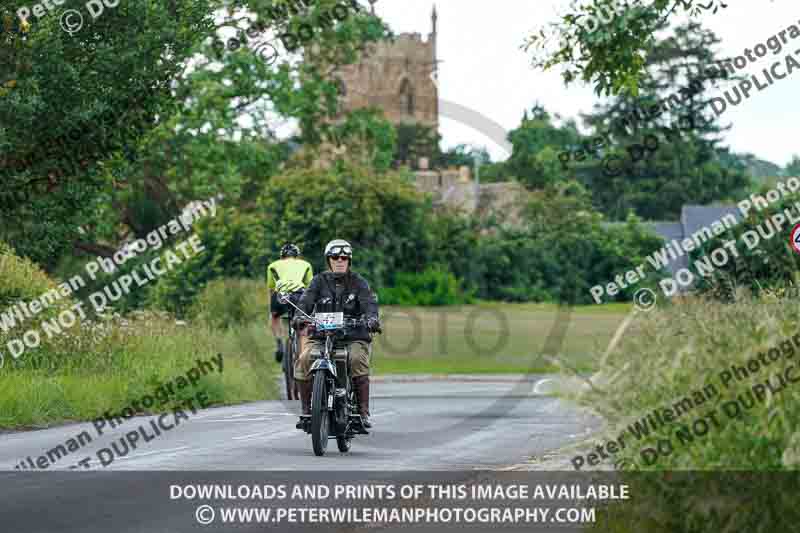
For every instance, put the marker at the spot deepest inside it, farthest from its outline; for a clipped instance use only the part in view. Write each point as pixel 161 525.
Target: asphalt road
pixel 418 425
pixel 425 431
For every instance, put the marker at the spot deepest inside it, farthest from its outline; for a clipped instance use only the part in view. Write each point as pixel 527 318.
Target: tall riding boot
pixel 362 388
pixel 305 395
pixel 305 388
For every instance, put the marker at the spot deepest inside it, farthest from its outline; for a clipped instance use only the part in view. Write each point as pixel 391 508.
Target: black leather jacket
pixel 349 294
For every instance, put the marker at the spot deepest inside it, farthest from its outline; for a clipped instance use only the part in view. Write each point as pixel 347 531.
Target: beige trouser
pixel 360 352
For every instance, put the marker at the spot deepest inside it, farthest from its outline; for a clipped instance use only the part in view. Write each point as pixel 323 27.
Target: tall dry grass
pixel 666 355
pixel 671 352
pixel 80 375
pixel 104 362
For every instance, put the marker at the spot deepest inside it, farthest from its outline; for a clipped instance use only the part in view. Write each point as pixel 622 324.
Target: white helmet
pixel 338 247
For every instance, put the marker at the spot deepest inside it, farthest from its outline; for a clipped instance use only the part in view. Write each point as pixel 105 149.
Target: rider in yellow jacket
pixel 286 275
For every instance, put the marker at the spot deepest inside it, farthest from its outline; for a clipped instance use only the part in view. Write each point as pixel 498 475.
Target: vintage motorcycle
pixel 334 400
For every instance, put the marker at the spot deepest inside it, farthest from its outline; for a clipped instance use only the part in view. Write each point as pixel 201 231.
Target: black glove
pixel 374 325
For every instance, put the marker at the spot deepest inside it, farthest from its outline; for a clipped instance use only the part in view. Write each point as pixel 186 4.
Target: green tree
pixel 559 207
pixel 85 98
pixel 368 136
pixel 793 168
pixel 674 150
pixel 613 52
pixel 97 106
pixel 536 143
pixel 416 140
pixel 758 169
pixel 772 263
pixel 382 215
pixel 463 155
pixel 495 172
pixel 233 248
pixel 526 263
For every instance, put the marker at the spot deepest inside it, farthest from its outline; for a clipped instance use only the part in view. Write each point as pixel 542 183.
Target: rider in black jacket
pixel 334 291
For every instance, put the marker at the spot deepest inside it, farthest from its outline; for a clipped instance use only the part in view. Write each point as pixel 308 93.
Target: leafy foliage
pixel 534 160
pixel 120 99
pixel 23 280
pixel 414 141
pixel 563 249
pixel 434 286
pixel 793 168
pixel 383 216
pixel 367 137
pixel 232 248
pixel 770 264
pixel 229 302
pixel 612 54
pixel 64 115
pixel 311 207
pixel 462 155
pixel 527 265
pixel 678 154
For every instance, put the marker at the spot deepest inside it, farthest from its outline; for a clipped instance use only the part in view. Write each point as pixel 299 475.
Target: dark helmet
pixel 290 250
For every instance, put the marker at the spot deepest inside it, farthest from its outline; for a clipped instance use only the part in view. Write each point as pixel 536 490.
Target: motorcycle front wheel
pixel 343 443
pixel 320 418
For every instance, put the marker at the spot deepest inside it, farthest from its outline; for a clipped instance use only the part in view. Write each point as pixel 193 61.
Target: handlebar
pixel 348 323
pixel 355 322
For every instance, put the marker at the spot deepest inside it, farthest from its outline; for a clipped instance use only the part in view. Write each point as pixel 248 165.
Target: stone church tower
pixel 395 76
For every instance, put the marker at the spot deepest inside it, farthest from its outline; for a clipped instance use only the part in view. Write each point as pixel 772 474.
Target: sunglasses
pixel 340 257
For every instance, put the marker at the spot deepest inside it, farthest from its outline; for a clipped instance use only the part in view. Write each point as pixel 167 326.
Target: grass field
pixel 489 338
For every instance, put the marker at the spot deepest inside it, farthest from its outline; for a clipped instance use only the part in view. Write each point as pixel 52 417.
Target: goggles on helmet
pixel 340 250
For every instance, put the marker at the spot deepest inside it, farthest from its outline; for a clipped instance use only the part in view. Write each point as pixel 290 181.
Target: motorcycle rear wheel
pixel 320 418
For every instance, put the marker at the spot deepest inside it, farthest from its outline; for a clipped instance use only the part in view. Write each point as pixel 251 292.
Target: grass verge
pixel 88 373
pixel 747 420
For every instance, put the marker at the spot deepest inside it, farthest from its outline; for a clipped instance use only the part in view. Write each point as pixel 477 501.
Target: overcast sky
pixel 484 68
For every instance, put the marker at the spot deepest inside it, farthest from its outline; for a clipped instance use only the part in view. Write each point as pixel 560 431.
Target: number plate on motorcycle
pixel 329 320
